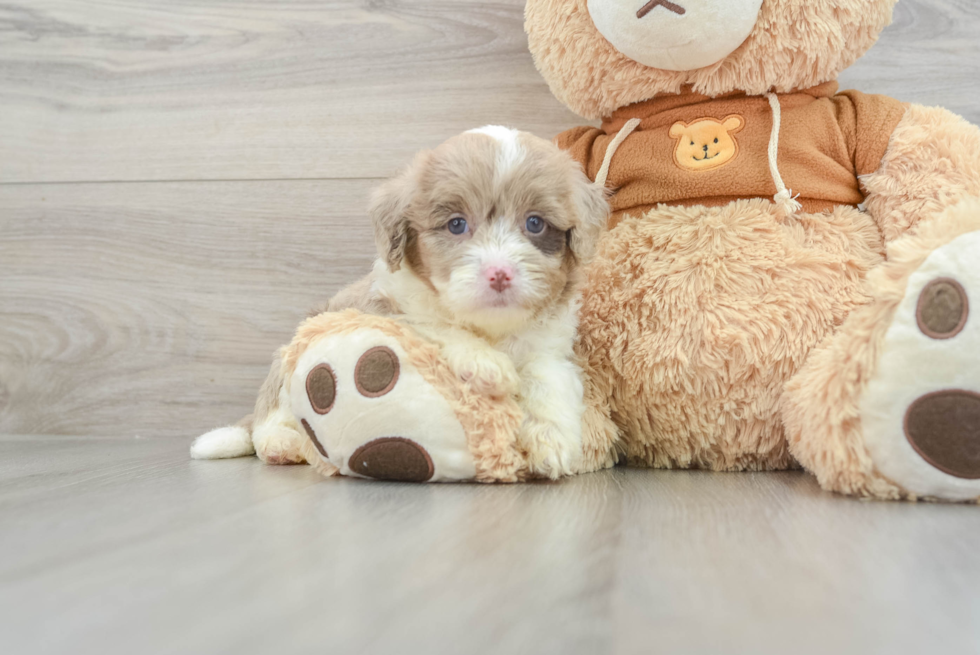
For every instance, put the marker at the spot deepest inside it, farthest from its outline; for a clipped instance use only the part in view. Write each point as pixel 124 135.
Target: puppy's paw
pixel 278 444
pixel 488 372
pixel 550 454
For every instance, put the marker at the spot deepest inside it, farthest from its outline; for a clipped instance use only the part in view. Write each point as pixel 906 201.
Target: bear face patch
pixel 707 143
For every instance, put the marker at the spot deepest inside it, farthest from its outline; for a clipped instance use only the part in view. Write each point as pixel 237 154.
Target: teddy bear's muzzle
pixel 675 35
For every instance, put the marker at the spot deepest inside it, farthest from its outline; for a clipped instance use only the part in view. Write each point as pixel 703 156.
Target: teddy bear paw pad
pixel 921 412
pixel 944 428
pixel 393 458
pixel 372 414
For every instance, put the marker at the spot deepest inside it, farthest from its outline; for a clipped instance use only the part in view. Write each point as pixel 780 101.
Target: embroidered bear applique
pixel 707 143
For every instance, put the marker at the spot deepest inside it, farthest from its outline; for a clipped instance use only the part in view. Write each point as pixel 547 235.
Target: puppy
pixel 482 244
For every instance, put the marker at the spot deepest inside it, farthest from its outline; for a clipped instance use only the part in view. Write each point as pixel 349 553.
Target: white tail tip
pixel 223 443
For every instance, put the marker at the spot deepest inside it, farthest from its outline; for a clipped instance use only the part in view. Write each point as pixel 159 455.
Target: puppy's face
pixel 496 222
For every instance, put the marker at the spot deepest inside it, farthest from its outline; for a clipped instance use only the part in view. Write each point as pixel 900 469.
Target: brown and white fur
pixel 461 260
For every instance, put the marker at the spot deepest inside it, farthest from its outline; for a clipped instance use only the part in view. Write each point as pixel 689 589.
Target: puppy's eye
pixel 457 226
pixel 535 225
pixel 692 143
pixel 716 140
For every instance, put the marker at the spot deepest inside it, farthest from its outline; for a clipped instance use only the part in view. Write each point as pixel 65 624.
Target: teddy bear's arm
pixel 580 143
pixel 932 162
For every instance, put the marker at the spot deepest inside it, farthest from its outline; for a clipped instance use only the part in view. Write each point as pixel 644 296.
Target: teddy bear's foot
pixel 890 406
pixel 921 411
pixel 370 413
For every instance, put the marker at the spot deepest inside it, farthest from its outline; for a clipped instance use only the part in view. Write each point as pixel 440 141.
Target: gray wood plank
pixel 144 90
pixel 929 55
pixel 154 309
pixel 125 545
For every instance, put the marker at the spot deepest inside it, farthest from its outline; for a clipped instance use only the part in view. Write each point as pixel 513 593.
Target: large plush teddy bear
pixel 792 274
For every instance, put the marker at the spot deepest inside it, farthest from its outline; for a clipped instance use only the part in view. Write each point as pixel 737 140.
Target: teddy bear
pixel 790 277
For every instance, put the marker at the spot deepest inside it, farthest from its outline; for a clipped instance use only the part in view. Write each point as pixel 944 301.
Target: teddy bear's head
pixel 600 55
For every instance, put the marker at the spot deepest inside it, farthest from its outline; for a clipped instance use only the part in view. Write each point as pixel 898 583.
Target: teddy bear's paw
pixel 372 414
pixel 921 411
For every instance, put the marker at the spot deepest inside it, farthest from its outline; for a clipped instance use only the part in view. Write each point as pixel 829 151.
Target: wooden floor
pixel 125 546
pixel 180 181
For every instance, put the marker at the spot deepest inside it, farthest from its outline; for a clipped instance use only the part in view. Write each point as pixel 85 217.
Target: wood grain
pixel 929 55
pixel 149 90
pixel 126 546
pixel 154 309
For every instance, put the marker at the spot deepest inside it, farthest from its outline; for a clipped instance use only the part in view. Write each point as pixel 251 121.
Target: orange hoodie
pixel 690 149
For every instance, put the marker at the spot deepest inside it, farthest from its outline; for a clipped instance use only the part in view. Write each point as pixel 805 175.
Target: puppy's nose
pixel 706 148
pixel 500 278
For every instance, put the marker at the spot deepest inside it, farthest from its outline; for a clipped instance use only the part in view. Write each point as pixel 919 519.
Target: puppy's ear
pixel 390 205
pixel 589 201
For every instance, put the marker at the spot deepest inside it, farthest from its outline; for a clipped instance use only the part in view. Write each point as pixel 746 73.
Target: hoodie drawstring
pixel 786 203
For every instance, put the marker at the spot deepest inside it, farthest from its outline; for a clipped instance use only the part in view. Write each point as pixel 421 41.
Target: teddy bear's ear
pixel 733 123
pixel 677 129
pixel 389 209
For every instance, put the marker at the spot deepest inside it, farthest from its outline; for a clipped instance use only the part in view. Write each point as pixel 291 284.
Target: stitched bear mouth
pixel 666 4
pixel 707 157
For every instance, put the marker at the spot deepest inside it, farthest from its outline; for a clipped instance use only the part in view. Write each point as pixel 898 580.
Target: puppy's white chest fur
pixel 552 335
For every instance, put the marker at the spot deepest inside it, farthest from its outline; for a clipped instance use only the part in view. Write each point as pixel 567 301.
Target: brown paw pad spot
pixel 943 309
pixel 944 428
pixel 377 372
pixel 392 458
pixel 321 388
pixel 316 442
